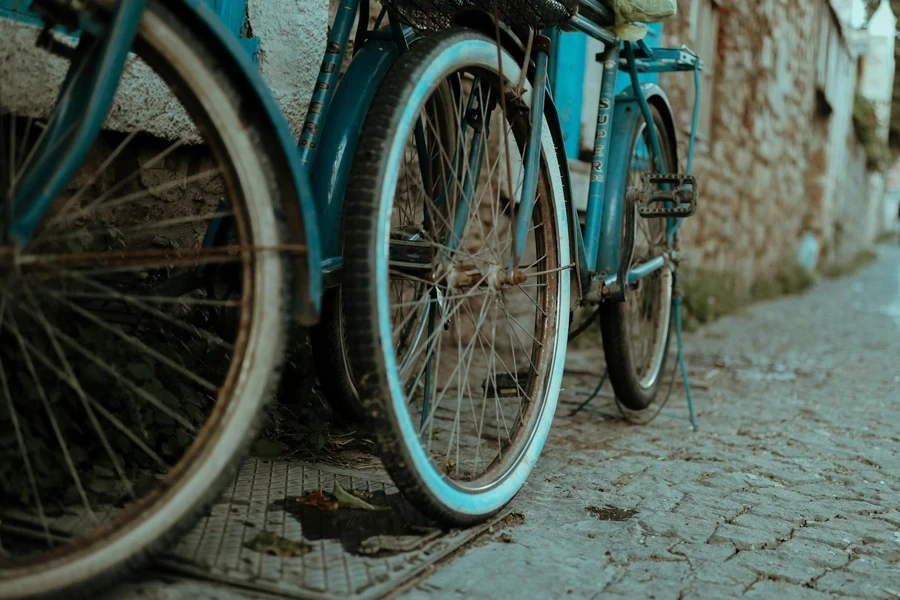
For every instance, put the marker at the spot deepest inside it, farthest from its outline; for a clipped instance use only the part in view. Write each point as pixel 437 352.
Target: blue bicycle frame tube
pixel 328 76
pixel 599 164
pixel 645 107
pixel 92 81
pixel 639 272
pixel 473 172
pixel 532 161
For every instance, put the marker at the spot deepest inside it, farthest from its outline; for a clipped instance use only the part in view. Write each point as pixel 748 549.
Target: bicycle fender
pixel 656 97
pixel 626 119
pixel 298 209
pixel 340 135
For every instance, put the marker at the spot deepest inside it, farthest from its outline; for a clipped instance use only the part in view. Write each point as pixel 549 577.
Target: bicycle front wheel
pixel 135 360
pixel 457 338
pixel 636 332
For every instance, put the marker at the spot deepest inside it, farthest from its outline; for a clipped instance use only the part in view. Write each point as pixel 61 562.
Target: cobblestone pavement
pixel 789 489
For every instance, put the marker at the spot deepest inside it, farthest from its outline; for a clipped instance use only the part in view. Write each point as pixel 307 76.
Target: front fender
pixel 298 209
pixel 626 119
pixel 343 125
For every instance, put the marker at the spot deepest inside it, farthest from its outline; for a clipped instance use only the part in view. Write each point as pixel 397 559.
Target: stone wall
pixel 782 157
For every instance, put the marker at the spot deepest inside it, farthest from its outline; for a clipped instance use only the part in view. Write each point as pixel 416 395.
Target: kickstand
pixel 684 376
pixel 676 303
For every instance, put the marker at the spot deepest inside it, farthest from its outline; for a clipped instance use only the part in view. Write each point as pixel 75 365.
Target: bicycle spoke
pixel 133 301
pixel 42 395
pixel 95 405
pixel 20 440
pixel 72 380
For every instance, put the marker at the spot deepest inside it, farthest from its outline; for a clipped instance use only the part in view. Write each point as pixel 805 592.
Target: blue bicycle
pixel 153 253
pixel 463 255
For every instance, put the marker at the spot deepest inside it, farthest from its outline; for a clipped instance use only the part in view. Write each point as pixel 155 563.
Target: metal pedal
pixel 667 195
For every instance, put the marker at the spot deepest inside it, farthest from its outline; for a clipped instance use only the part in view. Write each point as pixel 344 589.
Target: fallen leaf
pixel 273 544
pixel 348 500
pixel 321 500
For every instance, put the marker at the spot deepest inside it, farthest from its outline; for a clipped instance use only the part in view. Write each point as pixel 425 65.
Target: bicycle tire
pixel 634 390
pixel 126 542
pixel 443 495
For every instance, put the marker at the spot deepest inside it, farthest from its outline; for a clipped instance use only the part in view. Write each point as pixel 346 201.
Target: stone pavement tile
pixel 744 538
pixel 738 481
pixel 816 553
pixel 772 564
pixel 727 573
pixel 888 551
pixel 648 548
pixel 817 532
pixel 876 566
pixel 768 590
pixel 698 554
pixel 493 571
pixel 700 502
pixel 712 591
pixel 785 495
pixel 766 506
pixel 652 579
pixel 845 507
pixel 892 517
pixel 657 494
pixel 673 525
pixel 869 530
pixel 778 527
pixel 859 584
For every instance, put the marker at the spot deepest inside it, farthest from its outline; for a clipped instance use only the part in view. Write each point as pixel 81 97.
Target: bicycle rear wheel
pixel 458 357
pixel 636 332
pixel 134 362
pixel 329 337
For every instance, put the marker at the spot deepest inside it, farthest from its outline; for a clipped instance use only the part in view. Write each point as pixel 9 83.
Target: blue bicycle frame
pixel 319 170
pixel 598 248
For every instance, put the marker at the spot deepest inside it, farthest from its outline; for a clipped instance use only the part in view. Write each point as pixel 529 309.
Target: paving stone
pixel 673 525
pixel 782 589
pixel 727 573
pixel 743 538
pixel 888 551
pixel 859 584
pixel 771 563
pixel 816 553
pixel 817 532
pixel 777 527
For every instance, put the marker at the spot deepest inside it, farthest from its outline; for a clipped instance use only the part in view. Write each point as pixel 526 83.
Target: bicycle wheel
pixel 134 363
pixel 329 336
pixel 636 332
pixel 458 357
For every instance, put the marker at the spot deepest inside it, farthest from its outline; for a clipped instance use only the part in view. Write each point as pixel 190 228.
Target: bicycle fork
pixel 532 150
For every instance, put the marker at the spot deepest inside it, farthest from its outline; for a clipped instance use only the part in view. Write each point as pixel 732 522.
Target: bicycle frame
pixel 598 248
pixel 319 169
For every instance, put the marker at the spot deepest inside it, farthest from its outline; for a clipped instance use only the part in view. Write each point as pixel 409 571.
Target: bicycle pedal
pixel 667 195
pixel 504 385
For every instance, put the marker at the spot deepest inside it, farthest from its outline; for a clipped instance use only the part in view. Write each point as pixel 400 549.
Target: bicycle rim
pixel 160 369
pixel 467 410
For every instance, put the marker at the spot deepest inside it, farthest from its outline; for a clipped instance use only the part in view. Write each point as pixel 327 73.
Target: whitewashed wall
pixel 292 39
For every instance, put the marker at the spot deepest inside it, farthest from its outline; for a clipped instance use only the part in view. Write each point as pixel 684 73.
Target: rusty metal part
pixel 11 259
